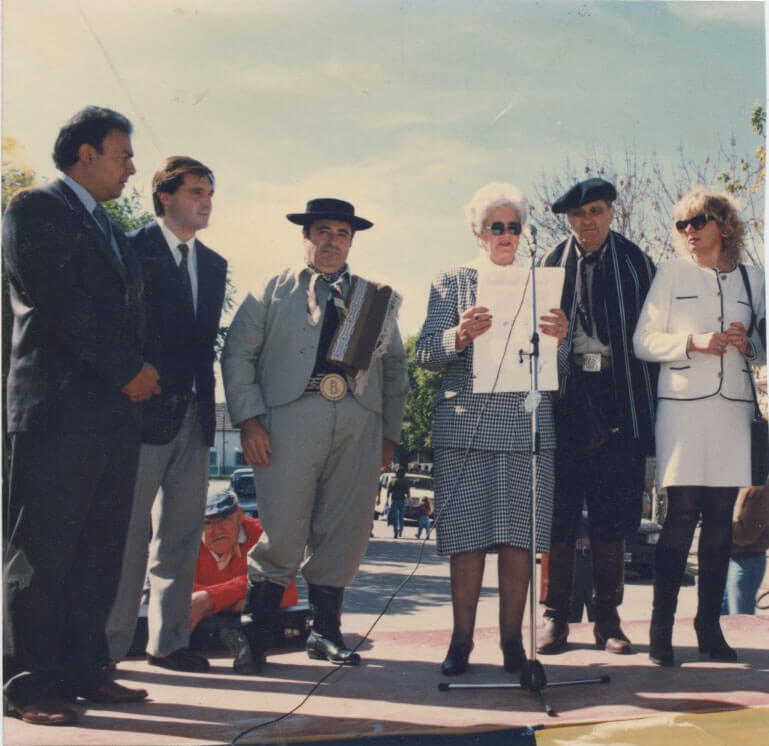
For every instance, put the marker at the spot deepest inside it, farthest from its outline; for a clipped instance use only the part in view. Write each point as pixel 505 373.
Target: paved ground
pixel 395 689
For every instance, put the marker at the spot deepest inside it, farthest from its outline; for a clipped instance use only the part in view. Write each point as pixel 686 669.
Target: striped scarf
pixel 365 332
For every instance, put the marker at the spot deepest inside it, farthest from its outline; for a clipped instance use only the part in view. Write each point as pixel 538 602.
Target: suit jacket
pixel 628 273
pixel 270 352
pixel 78 327
pixel 179 345
pixel 504 425
pixel 687 299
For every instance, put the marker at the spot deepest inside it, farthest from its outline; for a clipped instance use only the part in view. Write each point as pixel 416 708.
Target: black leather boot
pixel 557 579
pixel 669 567
pixel 325 641
pixel 249 644
pixel 713 566
pixel 608 591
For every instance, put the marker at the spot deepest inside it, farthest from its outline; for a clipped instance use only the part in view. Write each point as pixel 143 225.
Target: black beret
pixel 586 191
pixel 221 504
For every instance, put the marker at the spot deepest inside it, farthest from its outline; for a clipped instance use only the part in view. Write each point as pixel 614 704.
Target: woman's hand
pixel 737 336
pixel 473 322
pixel 555 325
pixel 713 343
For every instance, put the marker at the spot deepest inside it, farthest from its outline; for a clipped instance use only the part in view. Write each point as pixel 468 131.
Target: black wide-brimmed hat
pixel 586 191
pixel 330 209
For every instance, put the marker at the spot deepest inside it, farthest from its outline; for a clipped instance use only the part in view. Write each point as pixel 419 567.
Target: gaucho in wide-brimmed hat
pixel 316 380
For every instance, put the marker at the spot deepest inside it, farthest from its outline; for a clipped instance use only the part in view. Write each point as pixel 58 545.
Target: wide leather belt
pixel 592 362
pixel 332 386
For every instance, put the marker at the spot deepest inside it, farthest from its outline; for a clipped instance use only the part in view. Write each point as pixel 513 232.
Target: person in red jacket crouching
pixel 221 574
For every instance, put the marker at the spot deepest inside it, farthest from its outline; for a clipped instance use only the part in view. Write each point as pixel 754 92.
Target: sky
pixel 403 107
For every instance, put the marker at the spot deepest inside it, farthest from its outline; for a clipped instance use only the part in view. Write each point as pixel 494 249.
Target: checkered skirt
pixel 491 500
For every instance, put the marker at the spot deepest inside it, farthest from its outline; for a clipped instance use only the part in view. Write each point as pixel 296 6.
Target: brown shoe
pixel 182 659
pixel 555 634
pixel 46 712
pixel 112 693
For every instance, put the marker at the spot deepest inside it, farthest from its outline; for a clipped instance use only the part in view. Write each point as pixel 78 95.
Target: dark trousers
pixel 609 479
pixel 69 504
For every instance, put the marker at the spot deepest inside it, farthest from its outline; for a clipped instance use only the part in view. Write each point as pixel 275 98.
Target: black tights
pixel 686 505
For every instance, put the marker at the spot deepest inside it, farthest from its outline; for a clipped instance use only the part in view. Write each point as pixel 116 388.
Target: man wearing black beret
pixel 605 415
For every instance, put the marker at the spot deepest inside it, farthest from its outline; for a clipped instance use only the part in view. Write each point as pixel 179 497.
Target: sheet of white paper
pixel 503 290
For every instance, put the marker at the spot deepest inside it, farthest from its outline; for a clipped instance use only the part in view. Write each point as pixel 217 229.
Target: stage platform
pixel 395 691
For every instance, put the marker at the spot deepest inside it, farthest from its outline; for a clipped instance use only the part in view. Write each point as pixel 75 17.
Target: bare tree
pixel 647 192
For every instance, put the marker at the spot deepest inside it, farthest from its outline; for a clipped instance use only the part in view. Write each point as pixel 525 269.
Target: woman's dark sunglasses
pixel 697 222
pixel 498 228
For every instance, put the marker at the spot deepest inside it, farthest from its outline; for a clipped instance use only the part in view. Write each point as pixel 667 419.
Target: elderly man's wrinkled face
pixel 327 244
pixel 590 223
pixel 220 535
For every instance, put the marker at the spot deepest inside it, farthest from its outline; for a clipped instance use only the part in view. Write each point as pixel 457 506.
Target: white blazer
pixel 688 299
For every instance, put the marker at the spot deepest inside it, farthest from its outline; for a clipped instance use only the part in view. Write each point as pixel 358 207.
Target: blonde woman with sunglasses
pixel 700 321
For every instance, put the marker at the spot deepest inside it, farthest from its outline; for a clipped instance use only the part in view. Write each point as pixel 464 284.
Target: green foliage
pixel 128 212
pixel 14 180
pixel 418 420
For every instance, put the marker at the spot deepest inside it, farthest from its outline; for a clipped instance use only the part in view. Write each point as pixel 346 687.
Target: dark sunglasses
pixel 498 228
pixel 697 222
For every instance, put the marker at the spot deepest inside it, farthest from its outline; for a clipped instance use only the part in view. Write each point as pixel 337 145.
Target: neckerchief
pixel 335 281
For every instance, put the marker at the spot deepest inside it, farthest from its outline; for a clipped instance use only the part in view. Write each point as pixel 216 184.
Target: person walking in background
pixel 423 518
pixel 398 491
pixel 750 542
pixel 77 371
pixel 605 413
pixel 483 479
pixel 184 292
pixel 700 321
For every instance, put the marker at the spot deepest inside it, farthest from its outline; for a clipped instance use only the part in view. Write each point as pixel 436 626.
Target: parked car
pixel 242 484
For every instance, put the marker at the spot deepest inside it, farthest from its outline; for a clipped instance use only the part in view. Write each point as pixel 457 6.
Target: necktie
pixel 593 308
pixel 185 274
pixel 100 214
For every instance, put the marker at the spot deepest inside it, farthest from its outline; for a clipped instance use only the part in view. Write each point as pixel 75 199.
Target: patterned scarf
pixel 335 281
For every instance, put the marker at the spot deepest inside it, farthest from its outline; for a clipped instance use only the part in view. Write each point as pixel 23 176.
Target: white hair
pixel 495 195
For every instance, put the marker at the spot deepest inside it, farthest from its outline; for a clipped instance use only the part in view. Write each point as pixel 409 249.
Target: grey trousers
pixel 316 497
pixel 170 494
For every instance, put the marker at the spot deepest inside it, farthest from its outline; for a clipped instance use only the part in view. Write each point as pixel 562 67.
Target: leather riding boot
pixel 669 566
pixel 325 641
pixel 713 565
pixel 249 644
pixel 557 579
pixel 608 590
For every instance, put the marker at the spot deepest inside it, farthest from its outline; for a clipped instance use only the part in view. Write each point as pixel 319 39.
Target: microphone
pixel 531 237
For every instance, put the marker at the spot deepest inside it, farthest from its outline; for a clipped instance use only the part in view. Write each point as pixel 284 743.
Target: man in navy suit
pixel 77 370
pixel 184 291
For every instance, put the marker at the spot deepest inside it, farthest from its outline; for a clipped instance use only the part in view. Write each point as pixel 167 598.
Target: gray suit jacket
pixel 504 425
pixel 270 352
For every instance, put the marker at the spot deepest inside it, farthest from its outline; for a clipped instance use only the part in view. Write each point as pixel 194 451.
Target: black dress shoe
pixel 245 660
pixel 321 647
pixel 45 712
pixel 455 662
pixel 513 655
pixel 112 693
pixel 182 659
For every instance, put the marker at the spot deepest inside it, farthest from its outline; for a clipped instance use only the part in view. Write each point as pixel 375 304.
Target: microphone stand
pixel 533 678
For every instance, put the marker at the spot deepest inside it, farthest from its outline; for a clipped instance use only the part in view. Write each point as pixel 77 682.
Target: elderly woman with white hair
pixel 700 320
pixel 482 442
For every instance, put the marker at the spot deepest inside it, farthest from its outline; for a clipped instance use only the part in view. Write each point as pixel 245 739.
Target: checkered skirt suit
pixel 482 442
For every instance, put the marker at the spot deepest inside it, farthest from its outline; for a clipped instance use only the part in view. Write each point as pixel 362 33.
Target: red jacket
pixel 228 586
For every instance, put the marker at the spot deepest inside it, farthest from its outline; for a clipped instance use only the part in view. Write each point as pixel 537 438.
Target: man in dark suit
pixel 184 291
pixel 76 372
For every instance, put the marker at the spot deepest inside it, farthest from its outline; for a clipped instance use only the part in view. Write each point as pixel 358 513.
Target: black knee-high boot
pixel 713 567
pixel 669 567
pixel 325 640
pixel 249 643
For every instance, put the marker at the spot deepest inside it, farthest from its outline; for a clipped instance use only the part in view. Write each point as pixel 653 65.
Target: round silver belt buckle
pixel 333 387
